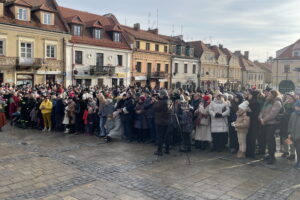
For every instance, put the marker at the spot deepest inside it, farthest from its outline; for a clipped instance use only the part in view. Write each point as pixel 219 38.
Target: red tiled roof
pixel 264 66
pixel 200 47
pixel 44 7
pixel 19 2
pixel 248 65
pixel 217 51
pixel 144 35
pixel 92 20
pixel 287 52
pixel 74 19
pixel 94 23
pixel 47 5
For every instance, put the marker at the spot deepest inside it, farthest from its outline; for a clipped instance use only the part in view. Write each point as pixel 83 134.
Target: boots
pixel 241 155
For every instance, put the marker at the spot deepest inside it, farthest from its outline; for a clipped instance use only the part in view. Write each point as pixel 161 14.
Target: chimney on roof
pixel 155 31
pixel 180 37
pixel 246 55
pixel 1 8
pixel 221 46
pixel 137 26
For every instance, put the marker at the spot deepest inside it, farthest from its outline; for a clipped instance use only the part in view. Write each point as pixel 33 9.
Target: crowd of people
pixel 245 123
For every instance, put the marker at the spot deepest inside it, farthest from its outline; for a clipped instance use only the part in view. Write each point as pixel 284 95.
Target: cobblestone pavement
pixel 51 166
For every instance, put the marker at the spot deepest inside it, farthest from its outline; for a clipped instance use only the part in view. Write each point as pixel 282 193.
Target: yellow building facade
pixel 32 52
pixel 151 58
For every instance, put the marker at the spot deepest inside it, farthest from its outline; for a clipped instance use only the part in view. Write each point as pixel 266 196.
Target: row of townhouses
pixel 42 42
pixel 286 68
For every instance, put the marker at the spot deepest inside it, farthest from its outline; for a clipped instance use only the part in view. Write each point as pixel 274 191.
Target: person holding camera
pixel 186 122
pixel 162 120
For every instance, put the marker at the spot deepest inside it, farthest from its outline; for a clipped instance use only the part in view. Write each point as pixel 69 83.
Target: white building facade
pixel 184 73
pixel 93 65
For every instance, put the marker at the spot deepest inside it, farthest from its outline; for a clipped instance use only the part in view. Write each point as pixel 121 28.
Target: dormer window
pixel 47 19
pixel 187 51
pixel 178 50
pixel 77 30
pixel 117 37
pixel 296 53
pixel 97 34
pixel 22 14
pixel 192 52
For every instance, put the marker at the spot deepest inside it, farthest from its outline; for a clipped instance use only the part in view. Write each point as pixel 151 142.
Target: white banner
pixel 50 72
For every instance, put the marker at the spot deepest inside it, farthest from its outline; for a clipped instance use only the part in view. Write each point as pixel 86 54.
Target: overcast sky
pixel 260 26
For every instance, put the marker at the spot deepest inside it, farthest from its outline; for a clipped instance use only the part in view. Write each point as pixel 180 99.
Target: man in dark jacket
pixel 149 108
pixel 162 120
pixel 126 112
pixel 59 112
pixel 255 127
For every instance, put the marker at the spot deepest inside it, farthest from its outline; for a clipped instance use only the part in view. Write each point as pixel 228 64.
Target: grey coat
pixel 294 126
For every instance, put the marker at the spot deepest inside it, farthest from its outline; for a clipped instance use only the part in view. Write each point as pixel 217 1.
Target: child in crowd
pixel 242 125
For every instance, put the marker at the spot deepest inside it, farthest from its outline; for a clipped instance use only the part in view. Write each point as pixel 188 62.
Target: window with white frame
pixel 77 30
pixel 2 47
pixel 22 14
pixel 97 34
pixel 26 50
pixel 47 19
pixel 51 51
pixel 117 37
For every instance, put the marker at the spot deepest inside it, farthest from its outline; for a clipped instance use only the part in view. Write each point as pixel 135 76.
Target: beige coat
pixel 243 122
pixel 203 130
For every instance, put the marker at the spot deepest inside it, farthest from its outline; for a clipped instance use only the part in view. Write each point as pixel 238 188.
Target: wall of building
pixel 278 72
pixel 89 59
pixel 154 59
pixel 181 76
pixel 14 36
pixel 152 46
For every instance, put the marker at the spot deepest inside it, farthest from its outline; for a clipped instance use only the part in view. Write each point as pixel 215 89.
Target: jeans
pixel 127 129
pixel 151 127
pixel 162 137
pixel 102 126
pixel 233 139
pixel 58 122
pixel 269 131
pixel 186 141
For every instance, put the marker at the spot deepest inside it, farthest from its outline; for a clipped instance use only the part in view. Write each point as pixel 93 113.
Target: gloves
pixel 218 115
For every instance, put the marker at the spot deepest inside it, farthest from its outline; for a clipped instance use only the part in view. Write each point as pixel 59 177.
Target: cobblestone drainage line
pixel 59 187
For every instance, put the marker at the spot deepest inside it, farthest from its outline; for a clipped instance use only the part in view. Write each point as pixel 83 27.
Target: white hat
pixel 244 105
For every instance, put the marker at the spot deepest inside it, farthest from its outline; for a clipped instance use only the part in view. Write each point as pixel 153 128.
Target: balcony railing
pixel 157 75
pixel 30 62
pixel 102 70
pixel 7 61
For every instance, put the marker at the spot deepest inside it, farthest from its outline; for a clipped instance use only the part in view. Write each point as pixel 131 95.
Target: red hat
pixel 206 98
pixel 142 98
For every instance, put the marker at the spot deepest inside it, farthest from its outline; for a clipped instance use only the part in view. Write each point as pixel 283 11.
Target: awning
pixel 121 75
pixel 140 78
pixel 163 80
